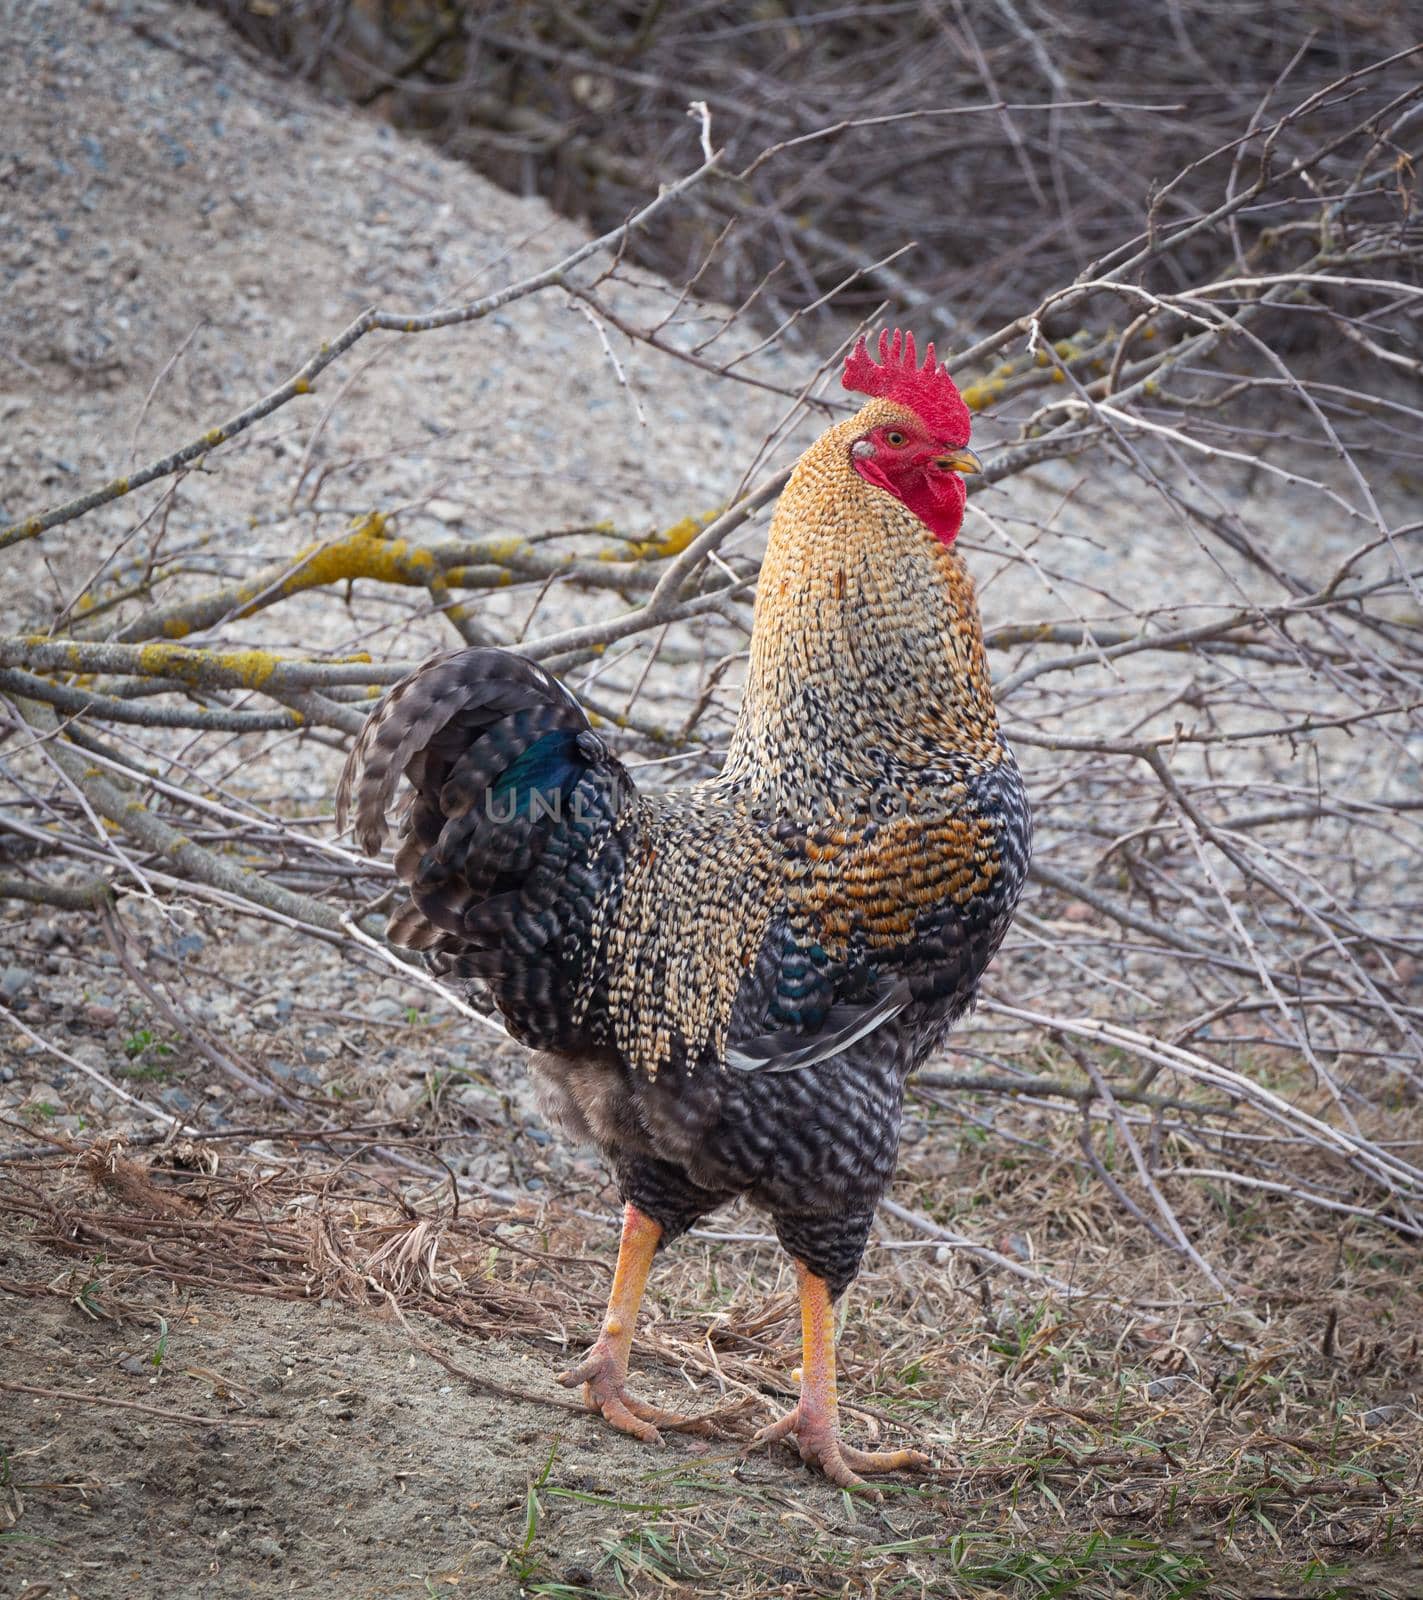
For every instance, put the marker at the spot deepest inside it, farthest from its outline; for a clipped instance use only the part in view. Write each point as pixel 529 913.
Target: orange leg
pixel 603 1371
pixel 815 1421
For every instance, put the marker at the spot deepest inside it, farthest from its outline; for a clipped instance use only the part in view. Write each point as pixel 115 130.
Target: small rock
pixel 47 1096
pixel 100 1016
pixel 1381 1416
pixel 482 1102
pixel 448 511
pixel 13 982
pixel 1162 1386
pixel 404 1099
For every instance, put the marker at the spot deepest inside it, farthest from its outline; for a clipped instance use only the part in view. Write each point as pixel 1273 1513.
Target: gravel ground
pixel 196 241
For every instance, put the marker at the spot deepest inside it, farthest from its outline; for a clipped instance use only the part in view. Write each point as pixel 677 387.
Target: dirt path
pixel 352 1478
pixel 333 1457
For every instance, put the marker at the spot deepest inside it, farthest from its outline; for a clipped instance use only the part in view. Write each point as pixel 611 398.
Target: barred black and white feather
pixel 728 984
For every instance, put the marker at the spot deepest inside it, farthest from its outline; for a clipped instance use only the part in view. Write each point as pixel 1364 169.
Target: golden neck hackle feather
pixel 866 633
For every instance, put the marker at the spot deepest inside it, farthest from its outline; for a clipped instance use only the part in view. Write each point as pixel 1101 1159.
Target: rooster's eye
pixel 895 438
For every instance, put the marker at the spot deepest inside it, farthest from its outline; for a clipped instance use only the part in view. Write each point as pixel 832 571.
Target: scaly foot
pixel 603 1371
pixel 603 1376
pixel 819 1443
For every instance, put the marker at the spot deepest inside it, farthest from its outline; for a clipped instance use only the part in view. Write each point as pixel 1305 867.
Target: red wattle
pixel 873 473
pixel 938 505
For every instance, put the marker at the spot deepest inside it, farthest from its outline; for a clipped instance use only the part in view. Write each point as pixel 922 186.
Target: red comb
pixel 928 391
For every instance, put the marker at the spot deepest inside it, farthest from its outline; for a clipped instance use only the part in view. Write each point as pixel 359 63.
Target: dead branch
pixel 1194 542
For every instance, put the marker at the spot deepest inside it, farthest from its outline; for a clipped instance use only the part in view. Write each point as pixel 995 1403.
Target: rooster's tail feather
pixel 512 797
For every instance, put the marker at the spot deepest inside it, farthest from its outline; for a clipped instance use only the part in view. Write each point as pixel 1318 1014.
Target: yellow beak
pixel 959 461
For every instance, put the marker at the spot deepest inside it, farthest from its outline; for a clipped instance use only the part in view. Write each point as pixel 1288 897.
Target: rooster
pixel 727 985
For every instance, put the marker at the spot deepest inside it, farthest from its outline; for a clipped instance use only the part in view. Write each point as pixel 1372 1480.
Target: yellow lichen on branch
pixel 672 541
pixel 194 667
pixel 364 552
pixel 251 668
pixel 368 551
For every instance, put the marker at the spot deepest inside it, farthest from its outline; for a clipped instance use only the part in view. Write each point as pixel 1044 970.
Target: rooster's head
pixel 916 446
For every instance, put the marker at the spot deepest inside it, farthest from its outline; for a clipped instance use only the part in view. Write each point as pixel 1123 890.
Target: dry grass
pixel 1121 1439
